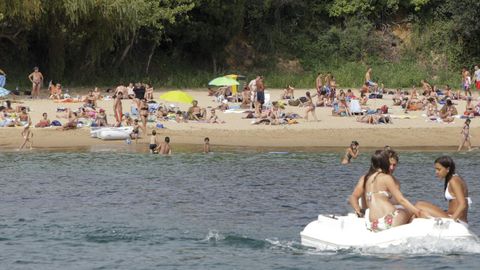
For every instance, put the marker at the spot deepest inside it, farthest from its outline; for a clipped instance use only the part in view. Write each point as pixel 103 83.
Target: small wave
pixel 216 238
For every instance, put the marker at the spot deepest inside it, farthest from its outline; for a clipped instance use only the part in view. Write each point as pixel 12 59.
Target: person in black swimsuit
pixel 144 114
pixel 352 152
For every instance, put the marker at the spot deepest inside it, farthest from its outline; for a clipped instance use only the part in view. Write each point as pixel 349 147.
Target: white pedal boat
pixel 95 131
pixel 350 232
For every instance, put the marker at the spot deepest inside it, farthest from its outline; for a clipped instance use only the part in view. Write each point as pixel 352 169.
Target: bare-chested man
pixel 164 147
pixel 195 112
pixel 117 109
pixel 36 78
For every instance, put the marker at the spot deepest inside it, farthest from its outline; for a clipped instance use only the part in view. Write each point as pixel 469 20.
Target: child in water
pixel 465 136
pixel 153 143
pixel 206 146
pixel 27 137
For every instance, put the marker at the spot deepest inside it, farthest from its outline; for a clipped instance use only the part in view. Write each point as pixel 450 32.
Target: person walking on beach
pixel 27 137
pixel 310 105
pixel 465 136
pixel 206 145
pixel 36 77
pixel 164 147
pixel 117 109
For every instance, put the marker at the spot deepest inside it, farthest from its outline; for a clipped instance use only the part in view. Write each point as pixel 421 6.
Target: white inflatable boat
pixel 110 131
pixel 350 232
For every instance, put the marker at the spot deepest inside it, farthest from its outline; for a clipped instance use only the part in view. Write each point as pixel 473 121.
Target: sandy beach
pixel 331 131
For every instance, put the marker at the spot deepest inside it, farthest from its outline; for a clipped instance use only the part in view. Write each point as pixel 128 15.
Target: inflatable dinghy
pixel 113 135
pixel 350 232
pixel 95 131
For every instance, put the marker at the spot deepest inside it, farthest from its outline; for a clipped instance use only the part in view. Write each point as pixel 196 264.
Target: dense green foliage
pixel 186 42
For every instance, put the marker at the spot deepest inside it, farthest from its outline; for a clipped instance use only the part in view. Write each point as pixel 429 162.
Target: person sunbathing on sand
pixel 432 110
pixel 470 110
pixel 213 119
pixel 72 122
pixel 196 112
pixel 24 118
pixel 288 93
pixel 101 119
pixel 448 111
pixel 427 88
pixel 397 98
pixel 44 122
pixel 90 100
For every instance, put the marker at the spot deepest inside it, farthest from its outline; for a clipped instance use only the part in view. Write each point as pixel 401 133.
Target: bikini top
pixel 369 194
pixel 450 197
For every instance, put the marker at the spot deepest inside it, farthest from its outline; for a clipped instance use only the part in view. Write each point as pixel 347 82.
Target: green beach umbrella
pixel 223 81
pixel 177 96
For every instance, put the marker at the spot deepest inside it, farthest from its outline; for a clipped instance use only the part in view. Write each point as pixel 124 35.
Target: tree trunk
pixel 152 51
pixel 125 51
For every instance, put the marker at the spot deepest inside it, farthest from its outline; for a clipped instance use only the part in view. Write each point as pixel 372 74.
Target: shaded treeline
pixel 184 42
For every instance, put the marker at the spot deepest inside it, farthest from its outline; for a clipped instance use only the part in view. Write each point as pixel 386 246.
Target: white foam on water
pixel 412 247
pixel 213 236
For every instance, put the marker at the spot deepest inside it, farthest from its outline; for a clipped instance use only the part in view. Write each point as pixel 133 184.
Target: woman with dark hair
pixel 456 192
pixel 379 188
pixel 351 152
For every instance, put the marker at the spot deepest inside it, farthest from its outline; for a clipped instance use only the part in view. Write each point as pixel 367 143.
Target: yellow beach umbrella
pixel 177 96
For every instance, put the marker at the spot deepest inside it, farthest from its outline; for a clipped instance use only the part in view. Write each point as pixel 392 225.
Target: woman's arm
pixel 356 153
pixel 356 195
pixel 457 190
pixel 393 188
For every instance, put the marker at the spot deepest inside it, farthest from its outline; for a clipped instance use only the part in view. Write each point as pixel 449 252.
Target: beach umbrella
pixel 3 92
pixel 177 96
pixel 223 81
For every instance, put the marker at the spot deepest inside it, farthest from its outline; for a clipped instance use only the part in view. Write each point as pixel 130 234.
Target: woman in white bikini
pixel 456 193
pixel 379 188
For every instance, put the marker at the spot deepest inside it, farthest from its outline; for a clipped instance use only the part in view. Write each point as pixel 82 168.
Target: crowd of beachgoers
pixel 252 101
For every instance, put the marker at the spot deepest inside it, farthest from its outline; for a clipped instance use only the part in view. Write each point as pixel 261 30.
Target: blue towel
pixel 3 80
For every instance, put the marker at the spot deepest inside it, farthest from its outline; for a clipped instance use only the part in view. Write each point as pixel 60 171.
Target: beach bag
pixel 56 123
pixel 295 102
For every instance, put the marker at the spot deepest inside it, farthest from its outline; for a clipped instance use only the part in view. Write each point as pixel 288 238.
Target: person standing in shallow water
pixel 206 145
pixel 465 136
pixel 351 152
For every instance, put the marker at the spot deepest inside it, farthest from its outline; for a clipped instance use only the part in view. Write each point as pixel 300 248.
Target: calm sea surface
pixel 228 210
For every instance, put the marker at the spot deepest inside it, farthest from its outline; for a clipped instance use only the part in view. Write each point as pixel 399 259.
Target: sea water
pixel 228 210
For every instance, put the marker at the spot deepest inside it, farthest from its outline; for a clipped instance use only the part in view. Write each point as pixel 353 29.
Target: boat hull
pixel 350 231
